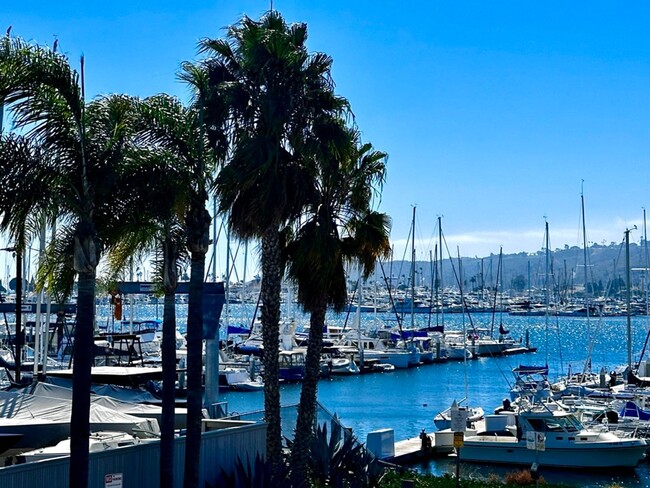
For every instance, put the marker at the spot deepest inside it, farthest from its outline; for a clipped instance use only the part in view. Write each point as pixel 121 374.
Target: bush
pixel 522 478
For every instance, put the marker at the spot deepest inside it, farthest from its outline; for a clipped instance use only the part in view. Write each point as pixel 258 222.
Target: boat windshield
pixel 566 423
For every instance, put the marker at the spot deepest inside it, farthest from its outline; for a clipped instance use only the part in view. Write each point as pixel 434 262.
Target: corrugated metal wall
pixel 139 464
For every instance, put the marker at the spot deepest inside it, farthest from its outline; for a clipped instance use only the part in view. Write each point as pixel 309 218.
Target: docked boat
pixel 239 378
pixel 442 420
pixel 97 441
pixel 342 366
pixel 292 365
pixel 552 438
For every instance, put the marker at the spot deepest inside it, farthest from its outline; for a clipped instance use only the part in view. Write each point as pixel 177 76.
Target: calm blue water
pixel 407 400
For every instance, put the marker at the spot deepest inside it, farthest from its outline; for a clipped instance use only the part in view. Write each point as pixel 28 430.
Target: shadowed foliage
pixel 85 145
pixel 274 90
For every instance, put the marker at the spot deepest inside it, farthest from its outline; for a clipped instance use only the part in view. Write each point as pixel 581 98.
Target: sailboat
pixel 452 343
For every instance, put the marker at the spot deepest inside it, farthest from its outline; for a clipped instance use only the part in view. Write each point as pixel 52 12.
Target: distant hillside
pixel 521 270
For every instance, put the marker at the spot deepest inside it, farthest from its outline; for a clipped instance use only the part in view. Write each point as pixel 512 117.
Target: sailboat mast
pixel 358 319
pixel 547 287
pixel 628 296
pixel 442 290
pixel 432 263
pixel 462 301
pixel 584 251
pixel 586 292
pixel 413 271
pixel 645 267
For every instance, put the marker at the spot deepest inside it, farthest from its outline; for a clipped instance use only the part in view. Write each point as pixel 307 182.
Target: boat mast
pixel 432 264
pixel 645 267
pixel 358 318
pixel 547 287
pixel 628 296
pixel 462 301
pixel 442 290
pixel 584 251
pixel 413 271
pixel 586 273
pixel 38 329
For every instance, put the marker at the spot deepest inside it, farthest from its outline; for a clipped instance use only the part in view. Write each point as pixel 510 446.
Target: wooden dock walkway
pixel 411 450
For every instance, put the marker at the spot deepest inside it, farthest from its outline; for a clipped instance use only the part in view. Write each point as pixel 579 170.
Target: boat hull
pixel 592 455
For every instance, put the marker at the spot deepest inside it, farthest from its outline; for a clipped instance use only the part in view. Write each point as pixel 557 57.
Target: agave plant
pixel 338 459
pixel 260 474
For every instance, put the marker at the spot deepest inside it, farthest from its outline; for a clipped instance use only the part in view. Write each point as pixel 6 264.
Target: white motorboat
pixel 454 346
pixel 98 441
pixel 239 378
pixel 342 366
pixel 553 438
pixel 442 420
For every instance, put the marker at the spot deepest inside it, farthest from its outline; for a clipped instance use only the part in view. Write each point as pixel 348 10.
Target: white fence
pixel 139 465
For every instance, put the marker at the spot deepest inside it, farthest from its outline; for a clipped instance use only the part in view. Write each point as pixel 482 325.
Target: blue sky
pixel 492 113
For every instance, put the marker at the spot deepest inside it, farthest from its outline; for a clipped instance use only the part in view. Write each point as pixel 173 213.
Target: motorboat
pixel 549 437
pixel 97 441
pixel 292 365
pixel 442 420
pixel 342 366
pixel 239 378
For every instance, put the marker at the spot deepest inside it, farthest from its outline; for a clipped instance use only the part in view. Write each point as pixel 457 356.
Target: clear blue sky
pixel 491 112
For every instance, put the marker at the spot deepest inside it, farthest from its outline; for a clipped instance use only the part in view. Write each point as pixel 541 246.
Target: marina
pixel 406 401
pixel 132 354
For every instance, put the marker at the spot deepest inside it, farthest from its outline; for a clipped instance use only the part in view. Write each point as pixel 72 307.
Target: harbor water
pixel 407 400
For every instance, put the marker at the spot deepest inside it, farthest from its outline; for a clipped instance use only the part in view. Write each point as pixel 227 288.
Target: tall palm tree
pixel 86 144
pixel 180 131
pixel 338 228
pixel 274 88
pixel 197 225
pixel 153 223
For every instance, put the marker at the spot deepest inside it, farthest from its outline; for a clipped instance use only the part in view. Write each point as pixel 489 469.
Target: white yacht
pixel 553 438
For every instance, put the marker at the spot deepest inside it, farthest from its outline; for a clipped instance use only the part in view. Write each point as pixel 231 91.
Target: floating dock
pixel 416 449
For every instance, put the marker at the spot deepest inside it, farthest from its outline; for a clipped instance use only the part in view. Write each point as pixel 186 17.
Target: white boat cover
pixel 44 421
pixel 142 410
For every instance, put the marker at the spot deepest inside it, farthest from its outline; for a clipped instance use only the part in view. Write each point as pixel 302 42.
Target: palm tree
pixel 154 223
pixel 197 225
pixel 86 143
pixel 339 228
pixel 179 131
pixel 18 152
pixel 274 88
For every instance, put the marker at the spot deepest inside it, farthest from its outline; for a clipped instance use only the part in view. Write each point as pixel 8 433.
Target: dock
pixel 519 350
pixel 411 450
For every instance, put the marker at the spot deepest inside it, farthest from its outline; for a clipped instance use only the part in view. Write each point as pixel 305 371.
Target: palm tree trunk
pixel 81 380
pixel 270 317
pixel 194 371
pixel 169 391
pixel 307 406
pixel 170 283
pixel 198 240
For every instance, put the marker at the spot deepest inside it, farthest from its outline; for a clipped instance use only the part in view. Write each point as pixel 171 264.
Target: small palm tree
pixel 273 88
pixel 339 228
pixel 85 144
